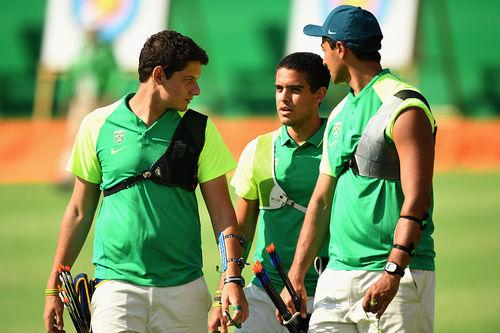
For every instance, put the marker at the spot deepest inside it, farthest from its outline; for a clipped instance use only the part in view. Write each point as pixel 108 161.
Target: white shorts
pixel 338 305
pixel 262 318
pixel 118 306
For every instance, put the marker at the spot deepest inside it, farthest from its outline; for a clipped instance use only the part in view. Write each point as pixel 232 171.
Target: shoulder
pixel 95 119
pixel 389 85
pixel 402 96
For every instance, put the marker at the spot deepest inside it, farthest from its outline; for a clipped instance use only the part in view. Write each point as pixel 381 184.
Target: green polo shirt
pixel 296 170
pixel 148 234
pixel 365 210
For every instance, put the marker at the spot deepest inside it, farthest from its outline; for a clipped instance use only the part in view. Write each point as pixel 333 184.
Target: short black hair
pixel 311 64
pixel 370 43
pixel 170 50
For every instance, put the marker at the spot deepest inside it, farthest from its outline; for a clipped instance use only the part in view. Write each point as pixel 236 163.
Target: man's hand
pixel 215 321
pixel 53 315
pixel 380 294
pixel 287 299
pixel 233 295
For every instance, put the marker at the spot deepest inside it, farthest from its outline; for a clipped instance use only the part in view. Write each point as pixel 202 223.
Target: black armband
pixel 408 249
pixel 421 222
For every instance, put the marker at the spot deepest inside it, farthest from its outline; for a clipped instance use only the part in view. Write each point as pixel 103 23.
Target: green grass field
pixel 467 217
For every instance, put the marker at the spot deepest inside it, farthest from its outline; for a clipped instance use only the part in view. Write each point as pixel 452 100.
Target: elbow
pixel 78 216
pixel 417 206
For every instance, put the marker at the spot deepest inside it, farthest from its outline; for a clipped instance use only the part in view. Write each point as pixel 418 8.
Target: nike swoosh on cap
pixel 331 32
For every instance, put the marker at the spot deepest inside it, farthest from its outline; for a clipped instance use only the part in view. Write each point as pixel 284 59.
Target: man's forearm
pixel 75 226
pixel 247 212
pixel 233 251
pixel 312 237
pixel 72 236
pixel 315 228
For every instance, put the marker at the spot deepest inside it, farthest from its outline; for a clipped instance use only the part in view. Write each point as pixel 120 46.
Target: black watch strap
pixel 394 269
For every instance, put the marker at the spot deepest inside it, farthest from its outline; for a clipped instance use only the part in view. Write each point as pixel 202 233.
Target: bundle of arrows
pixel 75 295
pixel 293 322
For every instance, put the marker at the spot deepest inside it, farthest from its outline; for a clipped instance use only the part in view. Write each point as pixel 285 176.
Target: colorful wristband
pixel 51 292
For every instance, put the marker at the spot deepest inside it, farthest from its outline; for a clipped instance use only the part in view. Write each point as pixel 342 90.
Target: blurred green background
pixel 457 54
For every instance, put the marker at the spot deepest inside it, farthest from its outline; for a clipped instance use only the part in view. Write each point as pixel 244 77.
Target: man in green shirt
pixel 374 192
pixel 274 180
pixel 147 244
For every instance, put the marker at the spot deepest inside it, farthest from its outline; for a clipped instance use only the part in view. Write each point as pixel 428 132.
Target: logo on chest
pixel 336 128
pixel 335 133
pixel 119 136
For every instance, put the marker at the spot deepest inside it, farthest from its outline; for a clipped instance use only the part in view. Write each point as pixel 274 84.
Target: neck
pixel 301 133
pixel 146 105
pixel 362 74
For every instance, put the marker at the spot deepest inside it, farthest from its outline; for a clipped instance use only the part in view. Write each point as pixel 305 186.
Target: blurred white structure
pixel 398 21
pixel 127 22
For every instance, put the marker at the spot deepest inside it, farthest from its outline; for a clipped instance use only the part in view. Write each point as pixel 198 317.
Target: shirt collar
pixel 316 139
pixel 369 84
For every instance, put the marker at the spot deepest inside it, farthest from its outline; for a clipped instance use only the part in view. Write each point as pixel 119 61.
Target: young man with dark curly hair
pixel 147 153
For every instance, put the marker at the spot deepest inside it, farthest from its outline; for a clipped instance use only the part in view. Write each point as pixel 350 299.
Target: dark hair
pixel 371 43
pixel 311 64
pixel 170 50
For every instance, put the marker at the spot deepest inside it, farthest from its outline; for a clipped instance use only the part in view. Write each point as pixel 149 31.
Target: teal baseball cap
pixel 352 25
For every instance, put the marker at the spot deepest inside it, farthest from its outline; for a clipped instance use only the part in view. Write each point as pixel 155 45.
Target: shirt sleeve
pixel 83 161
pixel 243 181
pixel 215 158
pixel 324 165
pixel 408 103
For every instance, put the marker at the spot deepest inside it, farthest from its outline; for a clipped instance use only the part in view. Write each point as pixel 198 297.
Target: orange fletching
pixel 270 248
pixel 257 267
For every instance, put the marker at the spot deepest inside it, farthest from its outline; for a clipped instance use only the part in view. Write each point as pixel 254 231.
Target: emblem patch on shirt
pixel 336 128
pixel 119 136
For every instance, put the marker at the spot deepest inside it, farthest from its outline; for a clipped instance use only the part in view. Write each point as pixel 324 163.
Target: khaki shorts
pixel 262 318
pixel 338 305
pixel 118 306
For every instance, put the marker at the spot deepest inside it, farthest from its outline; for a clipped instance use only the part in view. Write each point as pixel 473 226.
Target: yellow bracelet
pixel 216 304
pixel 51 292
pixel 218 292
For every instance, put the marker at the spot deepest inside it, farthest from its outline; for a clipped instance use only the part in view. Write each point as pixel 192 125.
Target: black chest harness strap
pixel 178 166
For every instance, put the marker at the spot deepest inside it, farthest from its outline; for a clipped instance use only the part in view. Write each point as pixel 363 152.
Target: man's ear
pixel 157 74
pixel 321 94
pixel 341 49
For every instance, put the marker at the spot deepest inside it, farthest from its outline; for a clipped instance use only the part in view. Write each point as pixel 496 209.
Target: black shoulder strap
pixel 192 122
pixel 405 94
pixel 196 123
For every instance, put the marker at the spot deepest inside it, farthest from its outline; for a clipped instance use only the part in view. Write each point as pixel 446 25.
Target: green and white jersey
pixel 296 171
pixel 148 234
pixel 365 210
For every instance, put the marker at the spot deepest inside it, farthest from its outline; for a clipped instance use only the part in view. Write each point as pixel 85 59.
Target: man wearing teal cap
pixel 374 192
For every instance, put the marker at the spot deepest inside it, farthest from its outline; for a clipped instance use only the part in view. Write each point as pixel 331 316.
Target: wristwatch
pixel 393 268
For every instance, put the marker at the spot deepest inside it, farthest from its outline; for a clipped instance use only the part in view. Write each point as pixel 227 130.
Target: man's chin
pixel 285 121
